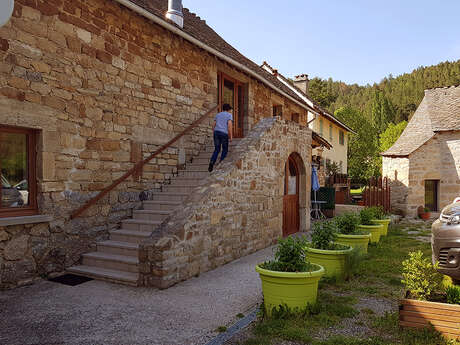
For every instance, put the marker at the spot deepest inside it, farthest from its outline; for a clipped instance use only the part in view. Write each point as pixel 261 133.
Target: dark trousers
pixel 220 139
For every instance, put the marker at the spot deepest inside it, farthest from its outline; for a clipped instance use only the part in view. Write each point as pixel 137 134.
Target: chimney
pixel 301 82
pixel 174 13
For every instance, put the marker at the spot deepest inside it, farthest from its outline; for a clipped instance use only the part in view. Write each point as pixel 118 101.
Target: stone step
pixel 157 216
pixel 132 236
pixel 170 196
pixel 191 181
pixel 176 188
pixel 111 261
pixel 161 205
pixel 140 224
pixel 113 276
pixel 119 248
pixel 193 174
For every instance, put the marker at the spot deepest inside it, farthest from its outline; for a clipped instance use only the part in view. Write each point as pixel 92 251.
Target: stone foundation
pixel 238 211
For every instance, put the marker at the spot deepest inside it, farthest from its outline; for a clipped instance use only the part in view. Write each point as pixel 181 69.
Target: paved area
pixel 102 313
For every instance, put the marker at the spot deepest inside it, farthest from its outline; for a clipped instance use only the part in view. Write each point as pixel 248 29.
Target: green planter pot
pixel 294 289
pixel 385 222
pixel 333 261
pixel 359 242
pixel 374 230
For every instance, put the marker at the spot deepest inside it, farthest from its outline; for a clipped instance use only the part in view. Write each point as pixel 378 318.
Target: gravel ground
pixel 101 313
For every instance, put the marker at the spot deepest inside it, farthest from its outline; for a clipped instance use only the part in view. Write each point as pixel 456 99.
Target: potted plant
pixel 366 215
pixel 324 251
pixel 289 280
pixel 424 213
pixel 381 218
pixel 427 301
pixel 348 233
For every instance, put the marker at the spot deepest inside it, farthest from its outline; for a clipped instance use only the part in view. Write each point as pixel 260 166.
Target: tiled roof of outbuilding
pixel 438 111
pixel 196 27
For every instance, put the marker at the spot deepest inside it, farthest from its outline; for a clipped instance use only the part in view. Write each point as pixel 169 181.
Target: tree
pixel 362 146
pixel 391 134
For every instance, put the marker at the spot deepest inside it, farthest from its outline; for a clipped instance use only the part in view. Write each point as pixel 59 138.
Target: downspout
pixel 139 10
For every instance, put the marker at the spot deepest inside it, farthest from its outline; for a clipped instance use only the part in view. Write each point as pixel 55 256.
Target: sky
pixel 355 41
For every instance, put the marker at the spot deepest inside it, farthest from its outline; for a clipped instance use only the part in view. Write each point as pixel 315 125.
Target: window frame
pixel 32 208
pixel 277 110
pixel 341 137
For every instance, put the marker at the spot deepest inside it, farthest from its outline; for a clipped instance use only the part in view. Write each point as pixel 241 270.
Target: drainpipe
pixel 174 13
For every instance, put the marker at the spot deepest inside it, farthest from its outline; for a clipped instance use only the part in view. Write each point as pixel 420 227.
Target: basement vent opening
pixel 70 279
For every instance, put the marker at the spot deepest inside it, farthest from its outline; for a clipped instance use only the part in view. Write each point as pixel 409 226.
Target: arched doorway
pixel 291 218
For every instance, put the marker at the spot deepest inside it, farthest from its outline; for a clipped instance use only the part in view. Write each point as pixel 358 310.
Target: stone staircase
pixel 116 259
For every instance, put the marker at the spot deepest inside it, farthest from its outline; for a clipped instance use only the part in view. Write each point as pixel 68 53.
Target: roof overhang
pixel 318 140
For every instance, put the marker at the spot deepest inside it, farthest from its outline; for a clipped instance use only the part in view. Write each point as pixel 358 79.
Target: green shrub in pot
pixel 349 234
pixel 366 216
pixel 325 251
pixel 289 281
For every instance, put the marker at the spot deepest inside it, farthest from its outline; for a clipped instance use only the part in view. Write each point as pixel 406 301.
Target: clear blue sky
pixel 356 41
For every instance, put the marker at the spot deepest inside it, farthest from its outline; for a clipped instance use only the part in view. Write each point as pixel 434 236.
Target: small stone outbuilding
pixel 424 163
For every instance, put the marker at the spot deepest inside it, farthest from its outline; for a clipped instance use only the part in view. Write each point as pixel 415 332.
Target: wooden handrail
pixel 139 165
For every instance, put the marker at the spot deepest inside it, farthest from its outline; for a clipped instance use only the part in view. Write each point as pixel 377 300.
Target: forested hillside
pixel 370 109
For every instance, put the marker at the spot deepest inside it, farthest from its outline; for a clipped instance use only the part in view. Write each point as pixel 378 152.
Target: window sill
pixel 25 220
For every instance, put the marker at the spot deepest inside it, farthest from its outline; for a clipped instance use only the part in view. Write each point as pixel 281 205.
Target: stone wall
pixel 238 210
pixel 397 170
pixel 103 87
pixel 437 159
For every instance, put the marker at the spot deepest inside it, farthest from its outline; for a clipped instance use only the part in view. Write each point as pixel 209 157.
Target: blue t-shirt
pixel 222 121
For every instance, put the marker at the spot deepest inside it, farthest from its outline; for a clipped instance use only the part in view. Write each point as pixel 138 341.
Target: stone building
pixel 424 163
pixel 90 88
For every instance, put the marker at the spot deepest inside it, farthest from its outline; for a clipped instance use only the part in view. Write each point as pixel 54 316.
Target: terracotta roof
pixel 438 111
pixel 196 27
pixel 316 106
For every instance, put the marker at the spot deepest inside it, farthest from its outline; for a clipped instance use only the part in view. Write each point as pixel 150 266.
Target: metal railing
pixel 138 166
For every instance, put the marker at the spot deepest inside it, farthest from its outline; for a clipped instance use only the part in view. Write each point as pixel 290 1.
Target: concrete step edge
pixel 130 260
pixel 118 244
pixel 134 233
pixel 141 221
pixel 104 273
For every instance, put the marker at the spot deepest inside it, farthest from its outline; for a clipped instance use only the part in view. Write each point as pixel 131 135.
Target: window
pixel 341 138
pixel 321 127
pixel 295 117
pixel 330 132
pixel 17 172
pixel 431 194
pixel 278 110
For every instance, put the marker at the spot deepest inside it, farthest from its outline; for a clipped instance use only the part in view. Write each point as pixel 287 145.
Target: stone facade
pixel 237 211
pixel 437 159
pixel 103 87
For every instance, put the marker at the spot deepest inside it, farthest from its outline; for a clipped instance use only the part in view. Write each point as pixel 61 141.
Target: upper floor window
pixel 277 110
pixel 17 172
pixel 341 138
pixel 321 130
pixel 330 132
pixel 295 117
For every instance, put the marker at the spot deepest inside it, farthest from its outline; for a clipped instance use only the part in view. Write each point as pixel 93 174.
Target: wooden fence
pixel 377 193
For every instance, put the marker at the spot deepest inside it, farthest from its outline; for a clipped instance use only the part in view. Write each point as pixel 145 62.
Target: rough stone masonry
pixel 104 87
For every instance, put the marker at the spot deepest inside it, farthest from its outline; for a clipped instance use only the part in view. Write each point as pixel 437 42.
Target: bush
pixel 420 276
pixel 453 294
pixel 347 223
pixel 289 256
pixel 324 234
pixel 366 215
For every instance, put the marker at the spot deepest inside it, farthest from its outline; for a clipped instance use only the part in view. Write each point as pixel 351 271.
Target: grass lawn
pixel 361 311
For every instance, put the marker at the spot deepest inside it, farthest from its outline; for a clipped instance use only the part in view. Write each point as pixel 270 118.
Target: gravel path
pixel 101 313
